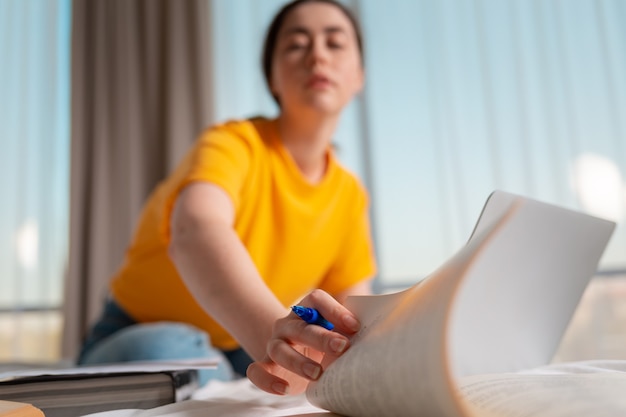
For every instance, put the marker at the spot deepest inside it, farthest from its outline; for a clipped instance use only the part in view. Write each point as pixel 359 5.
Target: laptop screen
pixel 521 288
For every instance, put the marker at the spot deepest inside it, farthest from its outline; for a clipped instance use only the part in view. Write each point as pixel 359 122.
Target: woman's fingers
pixel 263 375
pixel 292 331
pixel 295 350
pixel 286 356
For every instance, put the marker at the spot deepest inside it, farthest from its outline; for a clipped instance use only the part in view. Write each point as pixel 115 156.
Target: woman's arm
pixel 217 269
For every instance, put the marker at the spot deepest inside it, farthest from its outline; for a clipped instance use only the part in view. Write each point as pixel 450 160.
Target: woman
pixel 257 215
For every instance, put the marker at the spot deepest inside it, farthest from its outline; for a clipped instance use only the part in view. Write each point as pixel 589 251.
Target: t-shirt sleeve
pixel 356 261
pixel 222 158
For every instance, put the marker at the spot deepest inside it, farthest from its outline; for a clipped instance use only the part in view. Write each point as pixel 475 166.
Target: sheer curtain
pixel 466 96
pixel 34 138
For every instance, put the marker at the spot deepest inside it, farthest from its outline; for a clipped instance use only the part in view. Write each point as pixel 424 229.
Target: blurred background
pixel 462 97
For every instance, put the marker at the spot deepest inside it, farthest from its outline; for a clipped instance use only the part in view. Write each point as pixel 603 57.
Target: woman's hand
pixel 295 349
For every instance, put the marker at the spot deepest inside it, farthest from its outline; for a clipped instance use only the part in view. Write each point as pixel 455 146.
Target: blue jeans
pixel 116 337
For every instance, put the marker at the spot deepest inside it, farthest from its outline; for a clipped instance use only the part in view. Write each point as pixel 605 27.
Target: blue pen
pixel 312 316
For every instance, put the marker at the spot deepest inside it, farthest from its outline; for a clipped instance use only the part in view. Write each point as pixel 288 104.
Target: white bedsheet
pixel 237 399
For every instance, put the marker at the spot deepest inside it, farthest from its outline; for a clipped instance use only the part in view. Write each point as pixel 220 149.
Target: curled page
pixel 398 363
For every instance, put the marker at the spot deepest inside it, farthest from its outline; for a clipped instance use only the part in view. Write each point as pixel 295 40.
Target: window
pixel 34 166
pixel 466 97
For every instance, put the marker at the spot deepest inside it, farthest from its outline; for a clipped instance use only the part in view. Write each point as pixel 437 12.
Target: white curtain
pixel 34 138
pixel 466 96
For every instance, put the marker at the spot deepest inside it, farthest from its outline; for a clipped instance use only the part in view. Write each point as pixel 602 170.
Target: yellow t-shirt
pixel 300 236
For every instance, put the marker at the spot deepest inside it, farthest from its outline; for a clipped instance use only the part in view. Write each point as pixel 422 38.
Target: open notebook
pixel 501 304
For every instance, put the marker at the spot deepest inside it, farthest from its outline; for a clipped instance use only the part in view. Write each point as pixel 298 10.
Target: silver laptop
pixel 522 288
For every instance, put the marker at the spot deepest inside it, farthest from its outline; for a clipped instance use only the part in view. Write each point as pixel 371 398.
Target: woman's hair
pixel 269 46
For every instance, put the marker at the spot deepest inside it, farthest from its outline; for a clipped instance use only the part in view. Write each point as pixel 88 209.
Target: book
pixel 76 391
pixel 456 343
pixel 15 409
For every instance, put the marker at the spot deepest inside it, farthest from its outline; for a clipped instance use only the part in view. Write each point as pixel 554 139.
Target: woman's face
pixel 316 62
